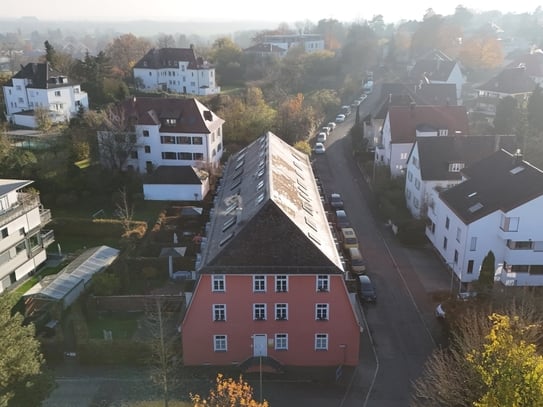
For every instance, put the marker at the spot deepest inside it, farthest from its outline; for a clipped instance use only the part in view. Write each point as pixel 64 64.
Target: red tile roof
pixel 405 120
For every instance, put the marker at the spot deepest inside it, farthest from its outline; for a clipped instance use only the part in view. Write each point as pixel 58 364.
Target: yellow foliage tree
pixel 228 393
pixel 509 366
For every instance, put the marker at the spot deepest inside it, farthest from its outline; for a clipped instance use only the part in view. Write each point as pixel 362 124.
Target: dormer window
pixel 443 132
pixel 170 122
pixel 455 167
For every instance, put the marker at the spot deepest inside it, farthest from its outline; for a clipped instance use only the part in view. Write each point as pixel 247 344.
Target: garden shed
pixel 67 285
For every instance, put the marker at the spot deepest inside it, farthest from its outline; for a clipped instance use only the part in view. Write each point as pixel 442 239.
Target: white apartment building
pixel 22 238
pixel 38 86
pixel 175 70
pixel 497 207
pixel 168 132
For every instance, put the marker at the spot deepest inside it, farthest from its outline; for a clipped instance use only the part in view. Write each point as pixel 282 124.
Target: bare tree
pixel 116 138
pixel 125 210
pixel 164 350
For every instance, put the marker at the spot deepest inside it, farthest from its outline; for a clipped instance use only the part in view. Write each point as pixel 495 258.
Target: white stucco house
pixel 39 86
pixel 175 70
pixel 404 123
pixel 436 67
pixel 23 239
pixel 497 207
pixel 310 42
pixel 437 162
pixel 166 132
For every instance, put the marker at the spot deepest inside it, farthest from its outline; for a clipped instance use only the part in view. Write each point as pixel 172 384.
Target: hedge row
pixel 96 227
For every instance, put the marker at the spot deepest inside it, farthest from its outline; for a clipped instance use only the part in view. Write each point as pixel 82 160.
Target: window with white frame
pixel 417 183
pixel 403 156
pixel 220 343
pixel 456 257
pixel 57 92
pixel 219 312
pixel 458 234
pixel 473 244
pixel 218 283
pixel 509 224
pixel 323 283
pixel 416 202
pixel 409 176
pixel 281 341
pixel 259 284
pixel 321 341
pixel 455 167
pixel 259 312
pixel 445 243
pixel 447 222
pixel 281 284
pixel 281 313
pixel 321 312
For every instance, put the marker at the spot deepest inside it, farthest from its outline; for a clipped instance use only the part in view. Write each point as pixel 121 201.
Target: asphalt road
pixel 402 329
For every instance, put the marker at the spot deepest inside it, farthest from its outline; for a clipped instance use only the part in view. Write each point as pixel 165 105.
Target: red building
pixel 271 283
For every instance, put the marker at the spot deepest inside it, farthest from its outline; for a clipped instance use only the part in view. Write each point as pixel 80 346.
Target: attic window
pixel 475 208
pixel 226 239
pixel 260 198
pixel 236 184
pixel 207 115
pixel 297 165
pixel 472 194
pixel 260 185
pixel 314 238
pixel 239 164
pixel 311 224
pixel 229 223
pixel 241 156
pixel 307 207
pixel 260 173
pixel 455 167
pixel 170 122
pixel 516 170
pixel 231 208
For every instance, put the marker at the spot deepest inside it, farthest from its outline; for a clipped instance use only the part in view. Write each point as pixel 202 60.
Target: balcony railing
pixel 25 203
pixel 47 237
pixel 45 216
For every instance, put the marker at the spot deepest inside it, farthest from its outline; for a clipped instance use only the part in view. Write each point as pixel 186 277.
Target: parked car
pixel 332 125
pixel 356 103
pixel 336 201
pixel 357 262
pixel 340 118
pixel 319 148
pixel 342 220
pixel 321 137
pixel 367 289
pixel 348 238
pixel 326 129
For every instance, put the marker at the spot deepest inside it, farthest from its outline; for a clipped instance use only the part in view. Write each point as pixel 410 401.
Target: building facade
pixel 497 207
pixel 175 70
pixel 23 239
pixel 271 284
pixel 38 86
pixel 166 132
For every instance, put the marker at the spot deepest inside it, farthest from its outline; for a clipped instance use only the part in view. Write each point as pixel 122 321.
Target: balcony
pixel 47 237
pixel 45 216
pixel 25 203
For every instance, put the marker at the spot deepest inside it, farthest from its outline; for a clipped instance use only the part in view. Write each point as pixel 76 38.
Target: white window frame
pixel 281 284
pixel 458 234
pixel 259 312
pixel 509 224
pixel 323 283
pixel 220 343
pixel 219 312
pixel 322 312
pixel 473 244
pixel 281 312
pixel 281 341
pixel 259 284
pixel 218 283
pixel 321 341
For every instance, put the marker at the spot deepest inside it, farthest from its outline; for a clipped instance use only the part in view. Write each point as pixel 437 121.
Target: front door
pixel 259 345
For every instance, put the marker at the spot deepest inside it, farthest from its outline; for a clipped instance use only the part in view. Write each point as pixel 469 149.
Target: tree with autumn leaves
pixel 493 360
pixel 228 393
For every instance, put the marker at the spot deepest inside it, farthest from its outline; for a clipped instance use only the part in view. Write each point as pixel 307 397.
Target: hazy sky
pixel 271 10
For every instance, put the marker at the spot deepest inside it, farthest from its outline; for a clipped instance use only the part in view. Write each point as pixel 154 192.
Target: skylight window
pixel 314 238
pixel 241 156
pixel 260 185
pixel 226 239
pixel 300 183
pixel 260 172
pixel 299 174
pixel 240 164
pixel 229 223
pixel 516 170
pixel 476 207
pixel 260 198
pixel 311 224
pixel 472 194
pixel 236 184
pixel 238 174
pixel 307 207
pixel 297 165
pixel 231 208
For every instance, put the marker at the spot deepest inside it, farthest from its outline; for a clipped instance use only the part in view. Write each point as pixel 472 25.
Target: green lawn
pixel 28 284
pixel 121 327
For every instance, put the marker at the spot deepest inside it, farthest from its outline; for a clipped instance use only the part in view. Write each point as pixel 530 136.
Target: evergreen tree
pixel 486 276
pixel 23 378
